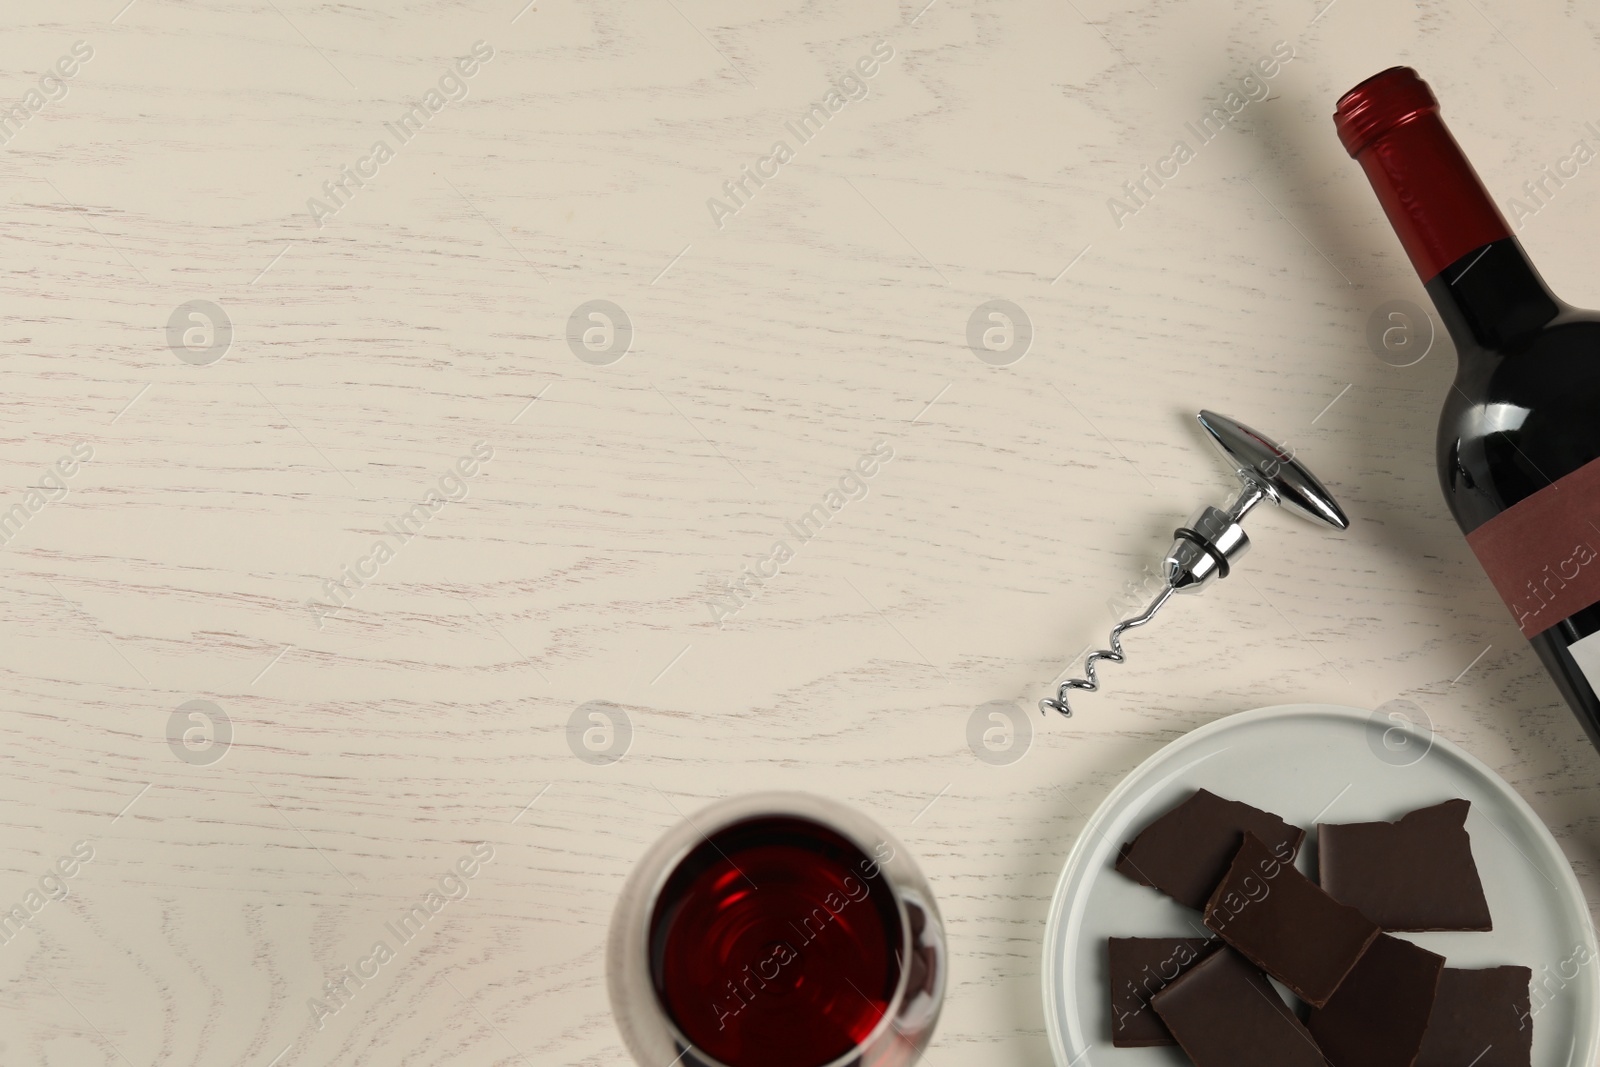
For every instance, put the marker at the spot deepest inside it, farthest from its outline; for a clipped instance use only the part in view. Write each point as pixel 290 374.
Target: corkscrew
pixel 1206 549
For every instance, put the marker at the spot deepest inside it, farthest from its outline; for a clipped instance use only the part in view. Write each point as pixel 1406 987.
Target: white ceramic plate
pixel 1296 761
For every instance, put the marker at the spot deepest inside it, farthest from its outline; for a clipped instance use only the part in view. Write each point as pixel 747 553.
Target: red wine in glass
pixel 777 929
pixel 776 943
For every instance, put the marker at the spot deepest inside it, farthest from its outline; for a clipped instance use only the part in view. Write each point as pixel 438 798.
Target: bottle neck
pixel 1487 292
pixel 1439 209
pixel 1492 298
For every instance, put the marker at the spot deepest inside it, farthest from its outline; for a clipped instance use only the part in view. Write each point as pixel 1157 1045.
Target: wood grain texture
pixel 769 353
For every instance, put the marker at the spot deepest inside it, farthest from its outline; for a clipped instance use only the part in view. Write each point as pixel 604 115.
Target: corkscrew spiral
pixel 1090 682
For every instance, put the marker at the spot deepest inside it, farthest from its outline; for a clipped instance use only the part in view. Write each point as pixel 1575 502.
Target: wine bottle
pixel 1519 437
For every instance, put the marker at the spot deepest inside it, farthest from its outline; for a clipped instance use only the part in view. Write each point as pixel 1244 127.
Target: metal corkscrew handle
pixel 1214 540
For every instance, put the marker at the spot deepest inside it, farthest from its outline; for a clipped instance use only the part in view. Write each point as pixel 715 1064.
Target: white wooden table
pixel 774 343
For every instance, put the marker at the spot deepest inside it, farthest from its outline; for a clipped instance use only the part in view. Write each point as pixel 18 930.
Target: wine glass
pixel 776 930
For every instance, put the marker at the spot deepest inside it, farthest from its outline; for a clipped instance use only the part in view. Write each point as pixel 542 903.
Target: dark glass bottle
pixel 1519 438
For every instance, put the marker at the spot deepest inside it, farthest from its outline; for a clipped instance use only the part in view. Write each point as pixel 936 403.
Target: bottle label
pixel 1543 553
pixel 1586 653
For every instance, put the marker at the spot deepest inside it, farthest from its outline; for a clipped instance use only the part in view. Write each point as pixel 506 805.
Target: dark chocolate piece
pixel 1413 874
pixel 1482 1018
pixel 1186 852
pixel 1283 922
pixel 1225 1013
pixel 1378 1016
pixel 1141 967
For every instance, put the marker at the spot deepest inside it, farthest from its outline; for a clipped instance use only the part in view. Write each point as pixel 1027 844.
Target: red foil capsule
pixel 1439 208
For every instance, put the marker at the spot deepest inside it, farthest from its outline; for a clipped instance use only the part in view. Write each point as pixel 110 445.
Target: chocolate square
pixel 1225 1013
pixel 1413 874
pixel 1378 1016
pixel 1185 852
pixel 1481 1017
pixel 1284 923
pixel 1141 967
